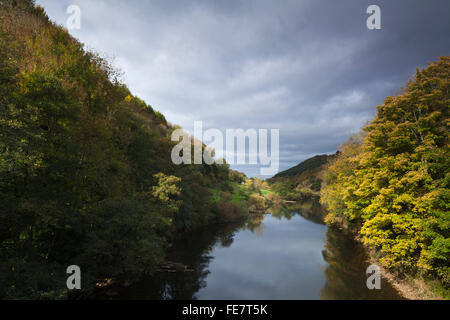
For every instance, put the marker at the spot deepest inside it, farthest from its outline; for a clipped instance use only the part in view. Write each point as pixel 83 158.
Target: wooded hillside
pixel 86 176
pixel 391 183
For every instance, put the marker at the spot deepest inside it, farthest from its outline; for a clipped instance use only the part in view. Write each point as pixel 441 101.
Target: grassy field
pixel 240 193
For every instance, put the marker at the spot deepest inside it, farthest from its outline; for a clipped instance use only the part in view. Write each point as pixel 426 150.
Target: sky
pixel 310 68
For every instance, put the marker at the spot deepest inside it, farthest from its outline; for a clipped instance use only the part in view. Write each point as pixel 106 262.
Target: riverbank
pixel 285 252
pixel 407 286
pixel 410 288
pixel 345 275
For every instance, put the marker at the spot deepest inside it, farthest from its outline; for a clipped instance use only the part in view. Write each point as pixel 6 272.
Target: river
pixel 287 254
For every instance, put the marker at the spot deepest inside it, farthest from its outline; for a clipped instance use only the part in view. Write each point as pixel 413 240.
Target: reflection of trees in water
pixel 310 210
pixel 313 211
pixel 284 212
pixel 346 272
pixel 255 223
pixel 227 240
pixel 259 230
pixel 179 285
pixel 192 249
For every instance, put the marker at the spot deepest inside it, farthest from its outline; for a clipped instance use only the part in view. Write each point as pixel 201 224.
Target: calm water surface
pixel 288 254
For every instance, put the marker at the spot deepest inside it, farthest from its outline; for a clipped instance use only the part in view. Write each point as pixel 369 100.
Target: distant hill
pixel 302 181
pixel 308 164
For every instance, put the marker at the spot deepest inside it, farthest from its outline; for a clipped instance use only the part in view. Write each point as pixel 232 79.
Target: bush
pixel 229 211
pixel 257 201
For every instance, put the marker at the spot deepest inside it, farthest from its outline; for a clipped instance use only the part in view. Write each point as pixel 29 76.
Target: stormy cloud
pixel 310 68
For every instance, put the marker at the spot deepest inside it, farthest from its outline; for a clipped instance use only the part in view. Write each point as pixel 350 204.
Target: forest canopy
pixel 391 183
pixel 85 171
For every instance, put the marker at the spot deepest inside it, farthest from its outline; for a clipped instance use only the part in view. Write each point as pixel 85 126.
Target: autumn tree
pixel 393 185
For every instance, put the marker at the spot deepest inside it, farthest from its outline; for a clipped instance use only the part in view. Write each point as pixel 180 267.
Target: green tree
pixel 392 185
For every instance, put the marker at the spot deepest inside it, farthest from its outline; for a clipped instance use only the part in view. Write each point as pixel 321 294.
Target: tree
pixel 393 184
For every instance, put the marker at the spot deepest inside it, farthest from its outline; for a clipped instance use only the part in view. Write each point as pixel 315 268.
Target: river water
pixel 287 254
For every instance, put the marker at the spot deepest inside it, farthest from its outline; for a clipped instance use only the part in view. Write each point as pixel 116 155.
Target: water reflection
pixel 193 249
pixel 310 210
pixel 345 273
pixel 287 254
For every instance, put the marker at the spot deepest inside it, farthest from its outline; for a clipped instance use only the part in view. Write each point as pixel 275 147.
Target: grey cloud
pixel 310 68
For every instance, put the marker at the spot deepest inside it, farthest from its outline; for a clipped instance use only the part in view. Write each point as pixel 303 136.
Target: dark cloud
pixel 310 68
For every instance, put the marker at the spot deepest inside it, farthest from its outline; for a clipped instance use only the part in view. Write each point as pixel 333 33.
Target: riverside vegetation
pixel 86 176
pixel 390 184
pixel 85 171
